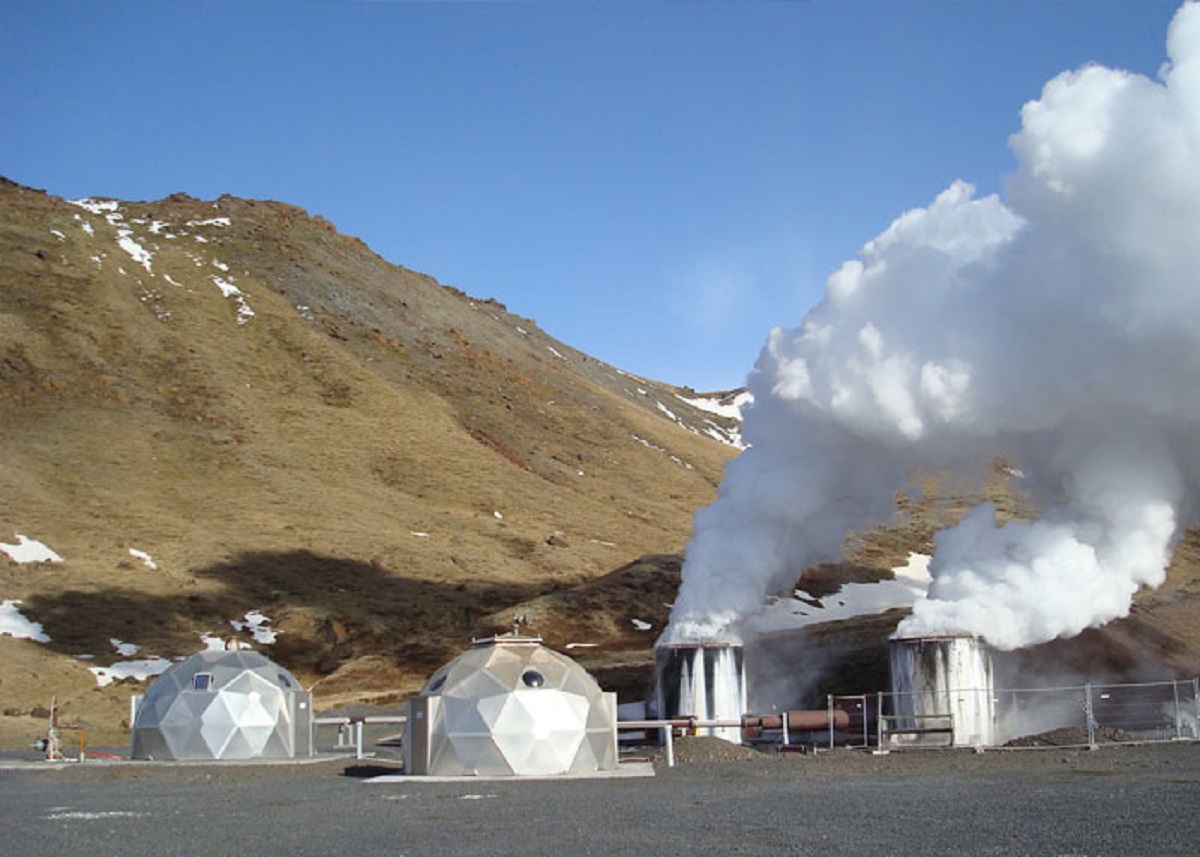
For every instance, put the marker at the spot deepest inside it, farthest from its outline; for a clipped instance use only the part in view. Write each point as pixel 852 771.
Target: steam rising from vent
pixel 1059 327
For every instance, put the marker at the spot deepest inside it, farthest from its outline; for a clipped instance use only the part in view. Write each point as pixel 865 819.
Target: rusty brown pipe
pixel 798 721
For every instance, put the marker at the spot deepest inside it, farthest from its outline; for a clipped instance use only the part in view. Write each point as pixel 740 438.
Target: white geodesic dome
pixel 509 706
pixel 223 705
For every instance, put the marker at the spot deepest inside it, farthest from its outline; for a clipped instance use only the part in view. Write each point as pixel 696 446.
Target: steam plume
pixel 1059 326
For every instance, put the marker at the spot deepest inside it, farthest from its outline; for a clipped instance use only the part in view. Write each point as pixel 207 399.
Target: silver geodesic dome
pixel 223 705
pixel 510 707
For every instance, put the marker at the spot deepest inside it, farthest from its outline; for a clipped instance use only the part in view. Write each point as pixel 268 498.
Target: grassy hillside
pixel 379 463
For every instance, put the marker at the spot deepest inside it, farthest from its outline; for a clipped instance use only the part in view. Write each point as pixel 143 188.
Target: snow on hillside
pixel 143 255
pixel 29 550
pixel 722 405
pixel 13 623
pixel 853 599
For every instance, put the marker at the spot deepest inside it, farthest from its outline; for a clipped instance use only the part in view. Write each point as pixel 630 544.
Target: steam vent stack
pixel 945 684
pixel 702 680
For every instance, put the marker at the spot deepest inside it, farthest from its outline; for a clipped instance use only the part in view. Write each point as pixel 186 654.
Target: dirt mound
pixel 1070 737
pixel 694 750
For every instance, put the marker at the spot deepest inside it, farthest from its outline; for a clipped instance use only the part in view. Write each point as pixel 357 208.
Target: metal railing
pixel 350 730
pixel 1081 716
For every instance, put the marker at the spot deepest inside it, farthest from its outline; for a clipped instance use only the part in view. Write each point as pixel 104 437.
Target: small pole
pixel 1196 701
pixel 670 742
pixel 358 740
pixel 1178 719
pixel 1090 715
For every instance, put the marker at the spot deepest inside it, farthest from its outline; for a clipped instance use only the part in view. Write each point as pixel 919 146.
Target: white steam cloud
pixel 1059 327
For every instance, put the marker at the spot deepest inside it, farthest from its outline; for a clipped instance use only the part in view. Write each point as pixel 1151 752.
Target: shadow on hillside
pixel 325 609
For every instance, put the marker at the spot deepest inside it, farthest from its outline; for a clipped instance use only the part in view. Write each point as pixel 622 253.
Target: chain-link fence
pixel 1083 715
pixel 1080 715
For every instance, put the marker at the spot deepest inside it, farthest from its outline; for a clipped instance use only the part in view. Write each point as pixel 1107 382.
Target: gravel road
pixel 1110 801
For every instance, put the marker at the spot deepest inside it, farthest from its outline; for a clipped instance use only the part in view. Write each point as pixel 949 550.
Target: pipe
pixel 799 721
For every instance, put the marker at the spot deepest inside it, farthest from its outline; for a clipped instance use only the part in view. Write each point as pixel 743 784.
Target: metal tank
pixel 705 681
pixel 943 689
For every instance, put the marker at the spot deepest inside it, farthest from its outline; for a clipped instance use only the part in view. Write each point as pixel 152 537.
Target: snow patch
pixel 229 290
pixel 722 406
pixel 139 253
pixel 29 550
pixel 658 448
pixel 14 624
pixel 139 670
pixel 256 624
pixel 125 650
pixel 96 206
pixel 144 557
pixel 853 599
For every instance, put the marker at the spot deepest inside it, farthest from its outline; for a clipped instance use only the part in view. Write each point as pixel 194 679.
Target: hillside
pixel 210 409
pixel 282 421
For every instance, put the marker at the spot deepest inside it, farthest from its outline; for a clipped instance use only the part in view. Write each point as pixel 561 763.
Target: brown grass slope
pixel 377 462
pixel 381 464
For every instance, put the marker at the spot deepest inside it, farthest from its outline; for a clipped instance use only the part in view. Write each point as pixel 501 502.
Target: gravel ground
pixel 719 799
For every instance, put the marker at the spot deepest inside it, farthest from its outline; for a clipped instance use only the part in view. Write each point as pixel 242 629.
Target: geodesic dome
pixel 220 705
pixel 510 706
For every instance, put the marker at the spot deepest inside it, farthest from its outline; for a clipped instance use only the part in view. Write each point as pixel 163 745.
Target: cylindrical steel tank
pixel 943 685
pixel 706 681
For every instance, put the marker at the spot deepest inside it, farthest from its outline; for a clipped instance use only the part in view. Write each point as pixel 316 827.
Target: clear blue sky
pixel 655 183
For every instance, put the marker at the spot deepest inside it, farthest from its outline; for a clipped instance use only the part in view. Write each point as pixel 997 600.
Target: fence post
pixel 1089 714
pixel 879 719
pixel 1178 714
pixel 1196 703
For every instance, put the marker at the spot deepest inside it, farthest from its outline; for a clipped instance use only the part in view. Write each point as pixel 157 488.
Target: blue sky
pixel 656 183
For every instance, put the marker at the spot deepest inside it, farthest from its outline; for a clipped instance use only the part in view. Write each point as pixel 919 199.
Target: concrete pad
pixel 627 770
